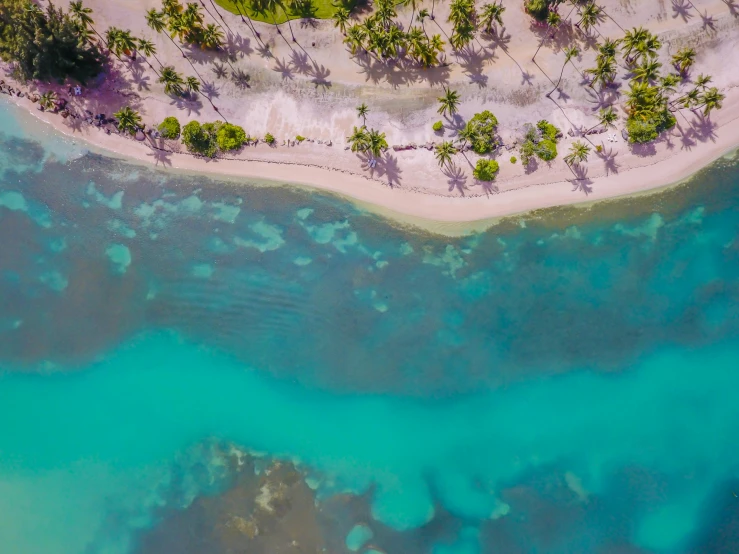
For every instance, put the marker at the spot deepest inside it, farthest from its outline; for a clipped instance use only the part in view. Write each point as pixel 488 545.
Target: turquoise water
pixel 565 383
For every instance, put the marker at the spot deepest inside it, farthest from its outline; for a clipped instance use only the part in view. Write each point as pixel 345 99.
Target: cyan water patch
pixel 302 260
pixel 54 280
pixel 269 237
pixel 450 259
pixel 120 228
pixel 16 202
pixel 225 212
pixel 405 249
pixel 358 537
pixel 202 271
pixel 304 213
pixel 468 542
pixel 120 256
pixel 58 244
pixel 650 228
pixel 114 202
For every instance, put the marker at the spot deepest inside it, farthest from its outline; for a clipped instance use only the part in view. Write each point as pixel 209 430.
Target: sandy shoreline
pixel 409 186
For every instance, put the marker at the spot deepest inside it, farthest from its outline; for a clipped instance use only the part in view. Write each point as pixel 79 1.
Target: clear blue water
pixel 565 382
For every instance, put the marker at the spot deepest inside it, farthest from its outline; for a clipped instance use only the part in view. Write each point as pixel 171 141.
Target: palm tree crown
pixel 173 81
pixel 444 153
pixel 449 102
pixel 128 119
pixel 579 152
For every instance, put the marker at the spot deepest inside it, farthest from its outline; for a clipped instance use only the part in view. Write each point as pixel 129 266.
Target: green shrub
pixel 170 128
pixel 230 137
pixel 547 130
pixel 546 150
pixel 438 126
pixel 480 131
pixel 269 139
pixel 485 170
pixel 200 139
pixel 300 138
pixel 513 159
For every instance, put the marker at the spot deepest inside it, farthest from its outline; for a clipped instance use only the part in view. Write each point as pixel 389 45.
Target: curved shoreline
pixel 441 214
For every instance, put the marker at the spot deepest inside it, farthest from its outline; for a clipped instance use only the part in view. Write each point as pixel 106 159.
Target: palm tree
pixel 553 22
pixel 589 16
pixel 362 111
pixel 648 71
pixel 683 59
pixel 48 100
pixel 570 53
pixel 669 83
pixel 341 18
pixel 702 81
pixel 248 20
pixel 147 48
pixel 606 117
pixel 649 47
pixel 128 120
pixel 444 152
pixel 358 140
pixel 123 42
pixel 689 99
pixel 449 102
pixel 579 152
pixel 604 72
pixel 211 37
pixel 632 39
pixel 355 37
pixel 173 81
pixel 376 143
pixel 609 47
pixel 492 16
pixel 192 84
pixel 711 100
pixel 82 17
pixel 156 21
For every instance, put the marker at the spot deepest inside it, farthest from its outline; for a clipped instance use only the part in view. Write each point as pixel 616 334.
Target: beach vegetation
pixel 201 139
pixel 170 128
pixel 514 159
pixel 540 9
pixel 300 138
pixel 438 126
pixel 362 111
pixel 46 44
pixel 463 17
pixel 480 132
pixel 48 100
pixel 129 120
pixel 540 141
pixel 269 139
pixel 121 42
pixel 230 137
pixel 173 82
pixel 683 60
pixel 368 141
pixel 259 10
pixel 491 17
pixel 579 152
pixel 449 102
pixel 485 170
pixel 548 131
pixel 444 153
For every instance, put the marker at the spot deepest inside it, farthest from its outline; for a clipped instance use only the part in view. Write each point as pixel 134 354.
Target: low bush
pixel 485 170
pixel 514 159
pixel 201 139
pixel 300 138
pixel 269 139
pixel 646 130
pixel 547 130
pixel 546 150
pixel 438 126
pixel 480 131
pixel 170 128
pixel 230 137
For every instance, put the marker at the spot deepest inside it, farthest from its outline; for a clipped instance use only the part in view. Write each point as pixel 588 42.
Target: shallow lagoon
pixel 560 383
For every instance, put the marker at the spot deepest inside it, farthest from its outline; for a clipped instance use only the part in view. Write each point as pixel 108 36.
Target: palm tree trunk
pixel 287 17
pixel 250 23
pixel 558 80
pixel 185 56
pixel 219 15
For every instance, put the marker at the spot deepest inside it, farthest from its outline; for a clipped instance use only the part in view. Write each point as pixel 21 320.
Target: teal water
pixel 562 384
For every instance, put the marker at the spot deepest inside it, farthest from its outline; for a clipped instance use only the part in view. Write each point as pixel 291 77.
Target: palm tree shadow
pixel 488 187
pixel 581 181
pixel 189 106
pixel 264 51
pixel 239 44
pixel 456 178
pixel 139 78
pixel 703 128
pixel 609 161
pixel 438 75
pixel 284 69
pixel 219 70
pixel 210 90
pixel 320 74
pixel 299 61
pixel 709 22
pixel 501 40
pixel 160 155
pixel 733 7
pixel 473 63
pixel 681 8
pixel 386 166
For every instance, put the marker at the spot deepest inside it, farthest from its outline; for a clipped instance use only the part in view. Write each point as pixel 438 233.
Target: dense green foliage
pixel 293 9
pixel 514 159
pixel 269 139
pixel 46 44
pixel 480 132
pixel 230 137
pixel 485 170
pixel 201 139
pixel 438 126
pixel 368 141
pixel 170 128
pixel 539 141
pixel 539 9
pixel 648 129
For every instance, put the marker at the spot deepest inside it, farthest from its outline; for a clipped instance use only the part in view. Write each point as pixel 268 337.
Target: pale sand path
pixel 296 105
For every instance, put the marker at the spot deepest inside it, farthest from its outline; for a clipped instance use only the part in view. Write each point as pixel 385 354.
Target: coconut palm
pixel 211 37
pixel 358 140
pixel 492 16
pixel 648 48
pixel 414 5
pixel 711 100
pixel 341 18
pixel 173 81
pixel 632 39
pixel 690 99
pixel 589 16
pixel 48 100
pixel 683 59
pixel 246 19
pixel 444 152
pixel 604 72
pixel 128 120
pixel 609 47
pixel 192 84
pixel 146 48
pixel 571 52
pixel 449 102
pixel 579 152
pixel 376 143
pixel 669 83
pixel 606 117
pixel 362 111
pixel 648 71
pixel 123 42
pixel 81 15
pixel 702 81
pixel 355 38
